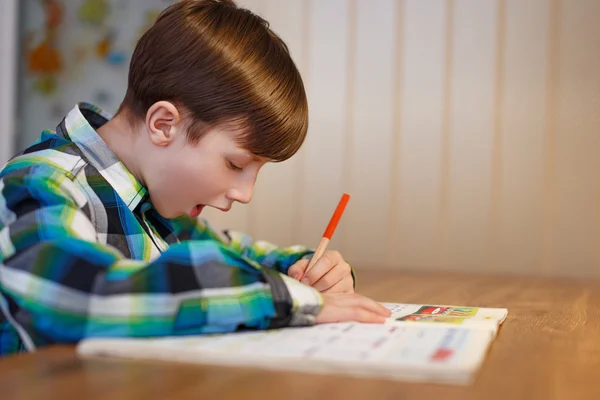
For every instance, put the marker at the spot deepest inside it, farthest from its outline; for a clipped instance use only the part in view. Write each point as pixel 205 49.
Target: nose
pixel 242 195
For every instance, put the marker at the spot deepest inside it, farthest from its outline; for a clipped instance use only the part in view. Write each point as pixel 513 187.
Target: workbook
pixel 419 342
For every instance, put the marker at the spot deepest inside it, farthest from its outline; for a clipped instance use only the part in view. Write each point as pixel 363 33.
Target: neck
pixel 121 139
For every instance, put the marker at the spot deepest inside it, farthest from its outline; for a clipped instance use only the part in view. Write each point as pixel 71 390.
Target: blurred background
pixel 467 132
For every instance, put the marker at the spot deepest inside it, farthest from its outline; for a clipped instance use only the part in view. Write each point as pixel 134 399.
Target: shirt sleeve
pixel 60 285
pixel 269 255
pixel 263 252
pixel 266 253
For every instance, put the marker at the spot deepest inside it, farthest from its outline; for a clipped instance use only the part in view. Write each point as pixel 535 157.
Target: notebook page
pixel 409 352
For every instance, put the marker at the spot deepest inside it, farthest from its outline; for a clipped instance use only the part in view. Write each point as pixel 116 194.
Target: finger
pixel 362 315
pixel 346 285
pixel 375 307
pixel 359 301
pixel 321 267
pixel 332 278
pixel 297 270
pixel 347 313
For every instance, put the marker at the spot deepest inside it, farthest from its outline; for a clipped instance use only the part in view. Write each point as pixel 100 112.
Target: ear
pixel 163 121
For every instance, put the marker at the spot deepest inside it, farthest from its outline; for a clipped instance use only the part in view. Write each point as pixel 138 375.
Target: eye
pixel 233 166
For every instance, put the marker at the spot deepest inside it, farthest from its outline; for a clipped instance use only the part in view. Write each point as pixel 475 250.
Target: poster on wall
pixel 75 50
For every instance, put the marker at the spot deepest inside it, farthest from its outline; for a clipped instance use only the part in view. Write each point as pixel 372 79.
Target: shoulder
pixel 51 155
pixel 45 169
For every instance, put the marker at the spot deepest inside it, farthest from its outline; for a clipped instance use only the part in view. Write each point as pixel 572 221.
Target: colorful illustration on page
pixel 444 314
pixel 454 311
pixel 432 318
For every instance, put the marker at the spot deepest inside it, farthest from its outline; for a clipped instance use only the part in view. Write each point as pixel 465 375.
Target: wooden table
pixel 548 348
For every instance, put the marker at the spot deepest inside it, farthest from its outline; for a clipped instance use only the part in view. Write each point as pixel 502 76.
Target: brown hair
pixel 224 65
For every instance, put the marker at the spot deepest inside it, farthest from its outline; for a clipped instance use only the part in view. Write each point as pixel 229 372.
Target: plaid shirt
pixel 84 254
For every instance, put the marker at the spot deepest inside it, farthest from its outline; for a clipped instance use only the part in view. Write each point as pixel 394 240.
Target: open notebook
pixel 432 343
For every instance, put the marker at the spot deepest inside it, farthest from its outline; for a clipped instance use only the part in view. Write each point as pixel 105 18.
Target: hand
pixel 330 274
pixel 344 307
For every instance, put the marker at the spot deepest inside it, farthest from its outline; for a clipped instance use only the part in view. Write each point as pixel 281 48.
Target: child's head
pixel 214 89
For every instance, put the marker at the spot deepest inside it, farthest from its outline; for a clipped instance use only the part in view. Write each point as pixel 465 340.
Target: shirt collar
pixel 80 126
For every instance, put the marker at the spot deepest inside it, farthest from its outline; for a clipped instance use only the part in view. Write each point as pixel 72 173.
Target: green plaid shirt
pixel 84 254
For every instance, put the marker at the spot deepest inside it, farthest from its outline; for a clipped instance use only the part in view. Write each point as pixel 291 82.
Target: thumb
pixel 296 271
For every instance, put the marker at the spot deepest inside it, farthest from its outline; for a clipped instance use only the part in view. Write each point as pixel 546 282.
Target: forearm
pixel 194 287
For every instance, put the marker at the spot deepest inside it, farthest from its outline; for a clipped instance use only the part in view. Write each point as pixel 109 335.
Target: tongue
pixel 195 211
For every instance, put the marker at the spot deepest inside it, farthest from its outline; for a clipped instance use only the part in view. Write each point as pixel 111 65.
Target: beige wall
pixel 467 133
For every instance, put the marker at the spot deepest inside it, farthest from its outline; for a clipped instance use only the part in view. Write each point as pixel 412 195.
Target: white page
pixel 427 352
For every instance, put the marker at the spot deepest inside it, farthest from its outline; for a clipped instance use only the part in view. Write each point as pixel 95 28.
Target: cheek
pixel 202 178
pixel 183 181
pixel 210 181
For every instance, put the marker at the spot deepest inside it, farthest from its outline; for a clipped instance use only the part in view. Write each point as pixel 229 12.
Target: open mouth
pixel 196 210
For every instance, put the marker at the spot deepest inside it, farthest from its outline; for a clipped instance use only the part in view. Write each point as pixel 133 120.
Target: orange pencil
pixel 335 218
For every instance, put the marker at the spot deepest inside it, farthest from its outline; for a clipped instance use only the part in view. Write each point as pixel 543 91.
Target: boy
pixel 99 234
